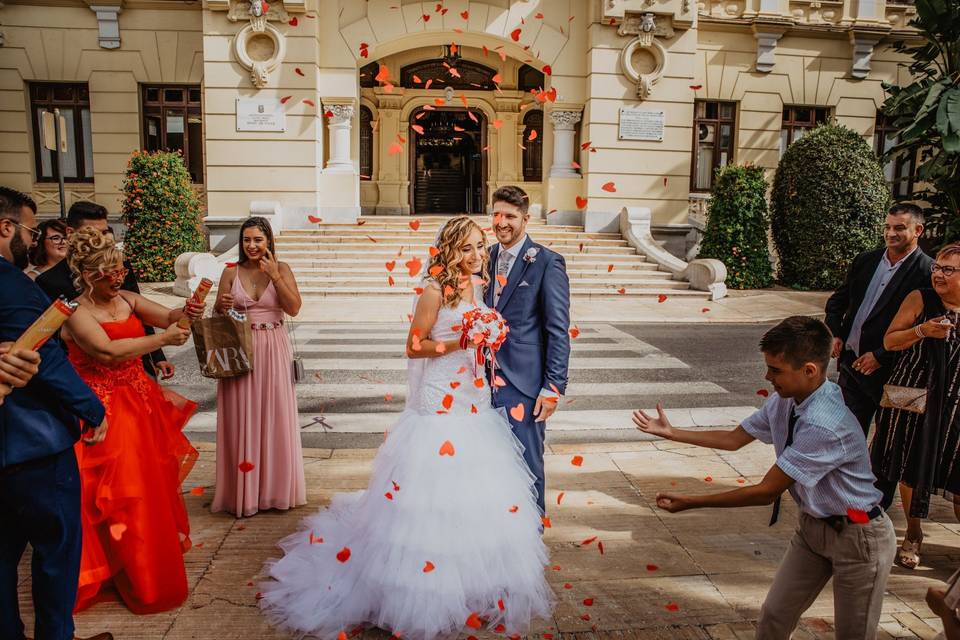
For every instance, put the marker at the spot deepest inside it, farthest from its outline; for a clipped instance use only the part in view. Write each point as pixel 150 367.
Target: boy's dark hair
pixel 85 210
pixel 799 340
pixel 512 195
pixel 11 201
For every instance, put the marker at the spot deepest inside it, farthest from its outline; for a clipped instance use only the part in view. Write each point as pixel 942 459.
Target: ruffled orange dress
pixel 134 520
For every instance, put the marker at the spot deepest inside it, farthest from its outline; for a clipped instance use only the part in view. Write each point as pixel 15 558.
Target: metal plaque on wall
pixel 641 124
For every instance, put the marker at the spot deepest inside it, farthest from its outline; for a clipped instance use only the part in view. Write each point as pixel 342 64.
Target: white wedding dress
pixel 447 530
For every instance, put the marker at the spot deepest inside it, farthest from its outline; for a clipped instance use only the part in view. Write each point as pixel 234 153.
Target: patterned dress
pixel 921 450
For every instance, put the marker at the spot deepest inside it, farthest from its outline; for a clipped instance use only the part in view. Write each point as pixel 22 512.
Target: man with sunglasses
pixel 39 424
pixel 58 280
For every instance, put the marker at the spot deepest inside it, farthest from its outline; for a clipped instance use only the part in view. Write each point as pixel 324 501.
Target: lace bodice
pixel 456 374
pixel 104 378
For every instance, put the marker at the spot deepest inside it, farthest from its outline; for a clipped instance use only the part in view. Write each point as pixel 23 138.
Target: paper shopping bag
pixel 224 346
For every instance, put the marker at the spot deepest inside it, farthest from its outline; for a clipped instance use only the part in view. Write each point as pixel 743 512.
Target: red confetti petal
pixel 314 219
pixel 763 392
pixel 588 541
pixel 245 467
pixel 473 621
pixel 196 491
pixel 696 87
pixel 414 224
pixel 560 496
pixel 652 567
pixel 293 21
pixel 308 101
pixel 428 567
pixel 298 71
pixel 500 605
pixel 413 265
pixel 576 461
pixel 284 99
pixel 383 73
pixel 390 265
pixel 518 412
pixel 622 291
pixel 857 516
pixel 661 298
pixel 547 70
pixel 514 509
pixel 574 332
pixel 546 522
pixel 344 554
pixel 586 617
pixel 708 479
pixel 581 203
pixel 515 34
pixel 499 628
pixel 117 529
pixel 446 449
pixel 673 606
pixel 465 15
pixel 388 495
pixel 609 187
pixel 568 586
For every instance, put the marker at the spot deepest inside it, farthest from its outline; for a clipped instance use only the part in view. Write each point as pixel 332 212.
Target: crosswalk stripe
pixel 387 348
pixel 586 420
pixel 656 360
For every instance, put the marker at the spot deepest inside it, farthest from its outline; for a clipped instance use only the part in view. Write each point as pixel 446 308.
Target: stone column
pixel 339 117
pixel 563 147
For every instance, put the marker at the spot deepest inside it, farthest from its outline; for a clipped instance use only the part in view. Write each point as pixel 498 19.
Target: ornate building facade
pixel 334 109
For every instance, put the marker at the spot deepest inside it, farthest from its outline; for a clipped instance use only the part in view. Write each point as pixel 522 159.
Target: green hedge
pixel 828 204
pixel 162 213
pixel 737 226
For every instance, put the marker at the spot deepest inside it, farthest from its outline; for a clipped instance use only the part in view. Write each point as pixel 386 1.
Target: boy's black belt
pixel 839 522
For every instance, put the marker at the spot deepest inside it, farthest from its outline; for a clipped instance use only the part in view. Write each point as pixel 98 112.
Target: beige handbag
pixel 904 398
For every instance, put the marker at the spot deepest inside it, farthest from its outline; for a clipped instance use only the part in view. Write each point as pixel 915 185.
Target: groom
pixel 530 289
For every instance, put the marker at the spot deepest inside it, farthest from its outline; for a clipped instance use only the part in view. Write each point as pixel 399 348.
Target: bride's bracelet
pixel 919 331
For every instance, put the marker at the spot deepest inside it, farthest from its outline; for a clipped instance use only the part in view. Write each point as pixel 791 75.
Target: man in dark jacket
pixel 58 280
pixel 860 311
pixel 39 424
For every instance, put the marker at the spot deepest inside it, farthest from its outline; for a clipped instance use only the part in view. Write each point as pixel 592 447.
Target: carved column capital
pixel 564 120
pixel 339 113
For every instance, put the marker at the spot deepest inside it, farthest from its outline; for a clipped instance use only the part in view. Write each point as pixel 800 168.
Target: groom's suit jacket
pixel 536 305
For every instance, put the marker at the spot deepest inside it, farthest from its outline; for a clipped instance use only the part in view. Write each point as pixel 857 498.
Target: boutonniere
pixel 531 255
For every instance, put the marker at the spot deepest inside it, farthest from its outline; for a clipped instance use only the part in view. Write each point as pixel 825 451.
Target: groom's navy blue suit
pixel 536 305
pixel 39 479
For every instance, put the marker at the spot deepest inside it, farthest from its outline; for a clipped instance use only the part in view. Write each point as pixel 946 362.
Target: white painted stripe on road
pixel 653 361
pixel 574 389
pixel 398 346
pixel 563 420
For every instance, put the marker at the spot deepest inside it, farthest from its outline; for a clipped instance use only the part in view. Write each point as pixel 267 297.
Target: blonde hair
pixel 91 250
pixel 948 250
pixel 448 258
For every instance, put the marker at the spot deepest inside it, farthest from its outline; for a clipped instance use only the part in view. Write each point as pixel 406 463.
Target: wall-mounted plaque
pixel 641 124
pixel 260 115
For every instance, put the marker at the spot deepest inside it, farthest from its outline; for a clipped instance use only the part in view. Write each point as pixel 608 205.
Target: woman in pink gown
pixel 259 459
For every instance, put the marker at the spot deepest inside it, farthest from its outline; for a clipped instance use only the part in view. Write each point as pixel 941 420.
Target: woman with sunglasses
pixel 134 521
pixel 49 248
pixel 919 447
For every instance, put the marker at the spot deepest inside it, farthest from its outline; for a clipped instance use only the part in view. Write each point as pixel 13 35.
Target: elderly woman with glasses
pixel 49 248
pixel 918 428
pixel 135 527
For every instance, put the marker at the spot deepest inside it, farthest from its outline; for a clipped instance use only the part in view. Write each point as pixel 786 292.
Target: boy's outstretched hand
pixel 658 426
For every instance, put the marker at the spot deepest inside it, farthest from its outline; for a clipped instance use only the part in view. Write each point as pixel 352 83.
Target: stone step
pixel 679 289
pixel 373 252
pixel 641 279
pixel 540 235
pixel 395 243
pixel 640 270
pixel 577 261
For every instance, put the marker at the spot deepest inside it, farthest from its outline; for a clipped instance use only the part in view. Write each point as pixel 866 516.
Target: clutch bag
pixel 904 398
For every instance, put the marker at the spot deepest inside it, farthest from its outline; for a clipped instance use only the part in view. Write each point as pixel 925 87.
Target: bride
pixel 447 534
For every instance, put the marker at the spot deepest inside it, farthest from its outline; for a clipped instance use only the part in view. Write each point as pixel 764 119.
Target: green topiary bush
pixel 162 213
pixel 737 225
pixel 828 204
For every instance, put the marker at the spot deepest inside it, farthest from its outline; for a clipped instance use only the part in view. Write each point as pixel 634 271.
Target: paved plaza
pixel 700 574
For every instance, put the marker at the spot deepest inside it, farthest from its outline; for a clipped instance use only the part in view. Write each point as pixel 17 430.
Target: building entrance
pixel 448 165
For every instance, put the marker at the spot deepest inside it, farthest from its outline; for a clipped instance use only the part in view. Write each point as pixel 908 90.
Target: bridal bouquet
pixel 486 330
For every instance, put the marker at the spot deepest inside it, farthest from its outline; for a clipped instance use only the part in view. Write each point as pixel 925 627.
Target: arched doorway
pixel 448 166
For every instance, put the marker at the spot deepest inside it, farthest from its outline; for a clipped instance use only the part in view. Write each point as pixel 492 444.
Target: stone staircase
pixel 337 260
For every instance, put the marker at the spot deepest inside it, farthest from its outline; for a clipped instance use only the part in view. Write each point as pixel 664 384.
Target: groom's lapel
pixel 516 275
pixel 492 274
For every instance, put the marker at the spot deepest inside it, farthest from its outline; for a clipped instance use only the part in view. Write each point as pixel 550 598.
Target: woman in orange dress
pixel 134 521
